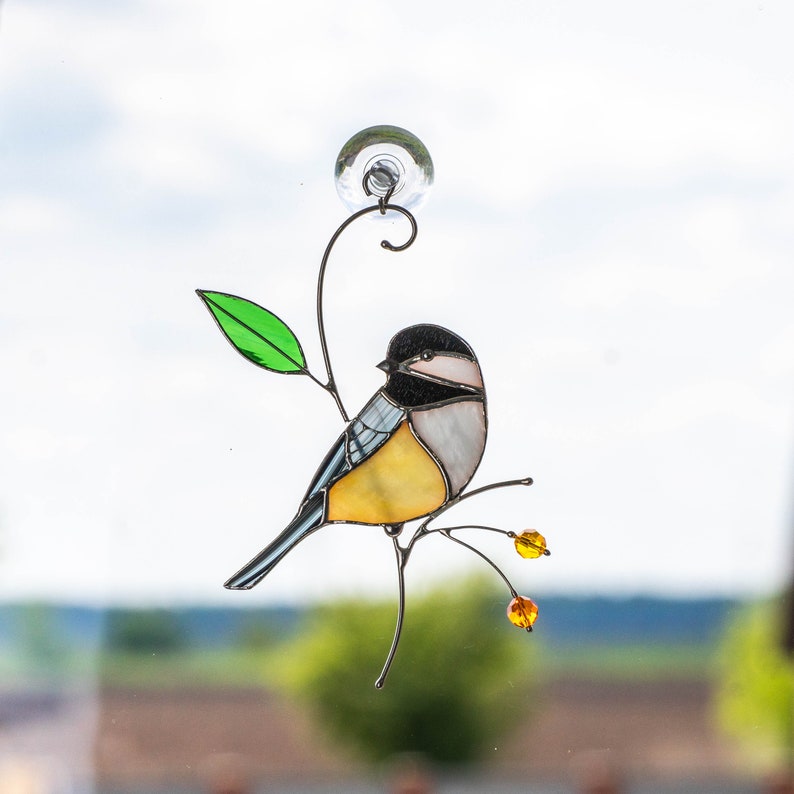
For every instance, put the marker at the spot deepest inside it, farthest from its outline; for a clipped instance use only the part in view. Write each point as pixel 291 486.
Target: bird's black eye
pixel 428 355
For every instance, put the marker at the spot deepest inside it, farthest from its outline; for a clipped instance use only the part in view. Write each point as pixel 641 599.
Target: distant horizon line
pixel 243 604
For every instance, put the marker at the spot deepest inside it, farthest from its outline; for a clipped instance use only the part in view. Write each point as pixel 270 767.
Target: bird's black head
pixel 413 341
pixel 427 364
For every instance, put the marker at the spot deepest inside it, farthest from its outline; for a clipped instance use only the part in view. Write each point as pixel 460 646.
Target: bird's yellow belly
pixel 401 481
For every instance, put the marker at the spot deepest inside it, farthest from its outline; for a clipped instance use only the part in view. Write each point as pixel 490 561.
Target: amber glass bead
pixel 522 612
pixel 531 545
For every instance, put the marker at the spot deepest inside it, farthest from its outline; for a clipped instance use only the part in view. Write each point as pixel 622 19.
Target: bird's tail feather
pixel 307 521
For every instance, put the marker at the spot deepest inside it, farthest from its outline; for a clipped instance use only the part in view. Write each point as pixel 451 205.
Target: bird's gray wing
pixel 366 433
pixel 374 425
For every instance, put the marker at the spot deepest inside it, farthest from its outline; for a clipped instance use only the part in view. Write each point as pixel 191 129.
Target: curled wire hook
pixel 382 206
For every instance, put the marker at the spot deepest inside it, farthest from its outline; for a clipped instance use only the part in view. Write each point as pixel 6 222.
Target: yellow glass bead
pixel 522 612
pixel 531 545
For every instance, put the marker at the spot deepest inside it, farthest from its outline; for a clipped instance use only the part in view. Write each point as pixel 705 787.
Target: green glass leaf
pixel 255 333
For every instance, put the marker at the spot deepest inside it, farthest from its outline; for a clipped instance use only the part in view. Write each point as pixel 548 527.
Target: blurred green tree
pixel 144 631
pixel 43 646
pixel 462 677
pixel 756 685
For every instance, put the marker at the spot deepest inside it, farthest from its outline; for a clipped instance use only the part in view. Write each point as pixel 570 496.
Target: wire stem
pixel 402 554
pixel 473 526
pixel 381 207
pixel 490 562
pixel 401 560
pixel 423 530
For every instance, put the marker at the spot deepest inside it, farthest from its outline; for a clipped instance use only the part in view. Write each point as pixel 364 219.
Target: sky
pixel 610 229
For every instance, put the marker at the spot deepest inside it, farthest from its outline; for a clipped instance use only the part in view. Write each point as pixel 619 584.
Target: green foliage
pixel 144 631
pixel 225 668
pixel 461 678
pixel 43 647
pixel 756 683
pixel 256 636
pixel 637 661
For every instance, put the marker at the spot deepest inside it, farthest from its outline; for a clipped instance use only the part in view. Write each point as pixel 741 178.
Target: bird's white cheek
pixel 451 368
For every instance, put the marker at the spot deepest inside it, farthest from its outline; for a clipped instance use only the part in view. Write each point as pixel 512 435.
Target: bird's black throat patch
pixel 412 391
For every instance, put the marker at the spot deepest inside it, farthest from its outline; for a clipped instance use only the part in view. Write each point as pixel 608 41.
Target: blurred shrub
pixel 461 678
pixel 756 684
pixel 144 631
pixel 257 635
pixel 40 640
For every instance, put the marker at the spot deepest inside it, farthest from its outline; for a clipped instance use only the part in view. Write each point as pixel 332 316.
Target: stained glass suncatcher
pixel 411 451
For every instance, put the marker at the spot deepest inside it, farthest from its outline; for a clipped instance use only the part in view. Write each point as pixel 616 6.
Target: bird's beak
pixel 387 365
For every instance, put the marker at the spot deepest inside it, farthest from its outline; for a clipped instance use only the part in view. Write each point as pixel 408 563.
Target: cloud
pixel 610 229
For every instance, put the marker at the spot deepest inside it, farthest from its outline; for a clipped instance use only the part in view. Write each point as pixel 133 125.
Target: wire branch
pixel 401 560
pixel 487 559
pixel 402 554
pixel 381 207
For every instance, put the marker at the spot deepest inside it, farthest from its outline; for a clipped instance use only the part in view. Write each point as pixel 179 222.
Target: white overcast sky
pixel 611 229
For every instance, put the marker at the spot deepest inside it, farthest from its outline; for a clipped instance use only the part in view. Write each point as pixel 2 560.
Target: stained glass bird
pixel 414 446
